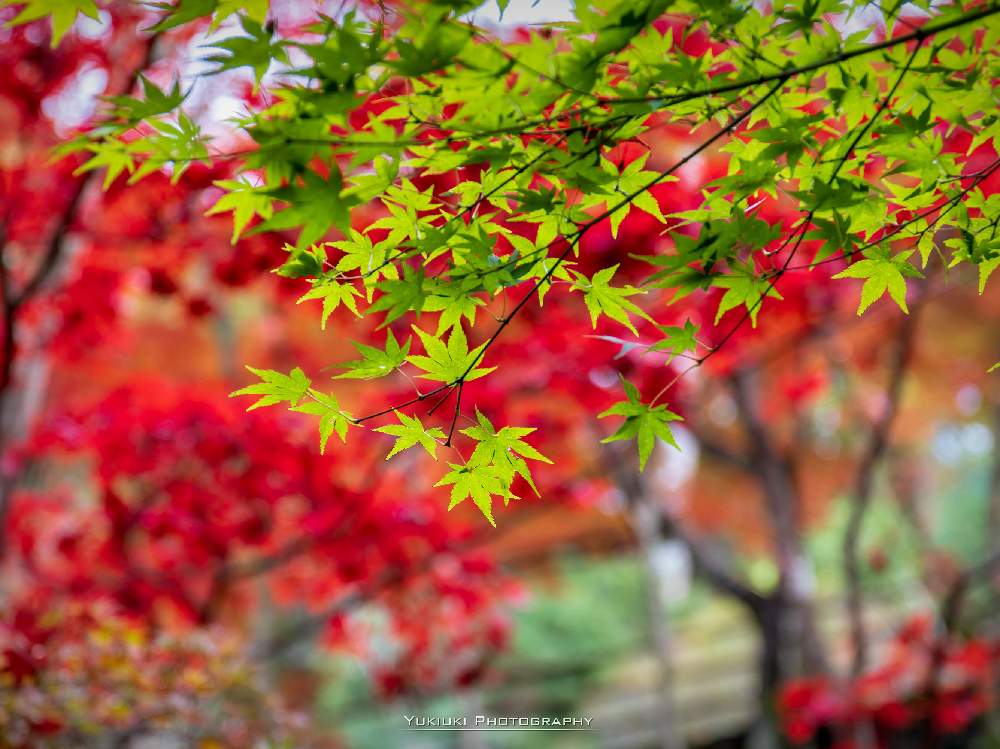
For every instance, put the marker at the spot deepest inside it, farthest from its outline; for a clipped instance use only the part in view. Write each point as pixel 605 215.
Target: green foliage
pixel 409 432
pixel 503 452
pixel 185 11
pixel 677 340
pixel 244 201
pixel 451 363
pixel 276 387
pixel 603 299
pixel 542 139
pixel 62 13
pixel 644 422
pixel 882 272
pixel 744 287
pixel 476 481
pixel 256 50
pixel 332 417
pixel 333 295
pixel 154 102
pixel 375 362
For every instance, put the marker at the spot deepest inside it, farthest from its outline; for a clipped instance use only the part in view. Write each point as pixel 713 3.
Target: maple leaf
pixel 276 387
pixel 256 50
pixel 631 181
pixel 409 432
pixel 255 9
pixel 314 206
pixel 453 307
pixel 400 296
pixel 333 295
pixel 677 340
pixel 303 262
pixel 643 422
pixel 370 260
pixel 245 201
pixel 479 482
pixel 333 418
pixel 744 287
pixel 602 298
pixel 113 155
pixel 61 13
pixel 450 363
pixel 155 102
pixel 183 12
pixel 375 362
pixel 501 450
pixel 882 272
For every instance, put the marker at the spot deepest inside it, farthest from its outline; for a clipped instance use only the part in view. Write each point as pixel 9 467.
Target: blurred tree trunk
pixel 645 521
pixel 791 643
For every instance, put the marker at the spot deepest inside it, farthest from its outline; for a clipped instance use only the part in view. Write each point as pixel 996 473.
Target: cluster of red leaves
pixel 925 682
pixel 191 498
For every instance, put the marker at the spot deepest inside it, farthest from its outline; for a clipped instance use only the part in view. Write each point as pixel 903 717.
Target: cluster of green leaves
pixel 805 113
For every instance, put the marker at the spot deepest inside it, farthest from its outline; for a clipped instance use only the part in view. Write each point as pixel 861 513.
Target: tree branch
pixel 706 561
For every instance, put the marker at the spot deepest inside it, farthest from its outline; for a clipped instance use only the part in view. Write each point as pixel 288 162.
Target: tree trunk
pixel 645 520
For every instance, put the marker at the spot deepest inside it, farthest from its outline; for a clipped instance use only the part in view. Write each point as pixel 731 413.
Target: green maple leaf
pixel 677 340
pixel 453 304
pixel 183 12
pixel 61 13
pixel 255 9
pixel 643 422
pixel 450 363
pixel 632 179
pixel 372 261
pixel 406 294
pixel 245 201
pixel 333 418
pixel 986 269
pixel 882 272
pixel 835 234
pixel 276 387
pixel 744 287
pixel 333 295
pixel 179 144
pixel 256 50
pixel 375 362
pixel 504 451
pixel 409 432
pixel 303 262
pixel 476 481
pixel 314 206
pixel 603 299
pixel 155 102
pixel 114 155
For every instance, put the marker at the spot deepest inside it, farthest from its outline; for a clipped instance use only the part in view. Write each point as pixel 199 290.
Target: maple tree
pixel 492 215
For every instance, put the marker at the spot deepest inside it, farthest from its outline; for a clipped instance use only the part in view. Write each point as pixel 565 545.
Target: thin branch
pixel 918 35
pixel 454 418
